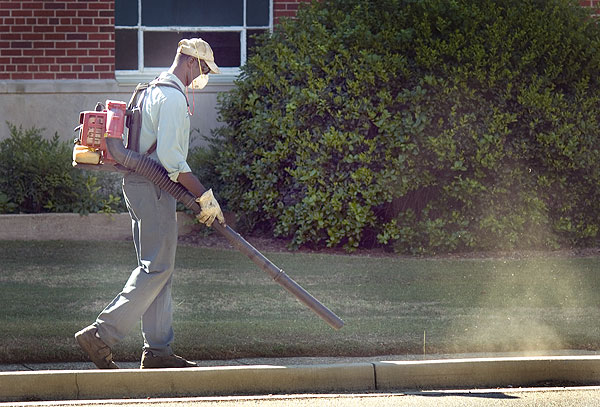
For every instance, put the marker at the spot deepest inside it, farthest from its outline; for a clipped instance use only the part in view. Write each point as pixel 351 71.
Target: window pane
pixel 251 42
pixel 193 13
pixel 160 47
pixel 126 12
pixel 257 13
pixel 126 50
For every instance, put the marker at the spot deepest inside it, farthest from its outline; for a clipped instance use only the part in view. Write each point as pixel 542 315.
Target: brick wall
pixel 57 39
pixel 287 8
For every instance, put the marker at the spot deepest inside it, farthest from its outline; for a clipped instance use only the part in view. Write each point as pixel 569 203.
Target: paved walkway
pixel 72 381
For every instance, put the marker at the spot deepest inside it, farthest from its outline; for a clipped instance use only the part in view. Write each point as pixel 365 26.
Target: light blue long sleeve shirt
pixel 165 119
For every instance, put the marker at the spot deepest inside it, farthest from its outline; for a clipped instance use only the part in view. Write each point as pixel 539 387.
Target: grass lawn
pixel 225 307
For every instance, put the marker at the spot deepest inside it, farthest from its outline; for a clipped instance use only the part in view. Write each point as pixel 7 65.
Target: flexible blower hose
pixel 145 166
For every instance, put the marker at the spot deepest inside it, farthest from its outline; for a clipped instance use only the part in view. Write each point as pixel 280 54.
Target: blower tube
pixel 150 169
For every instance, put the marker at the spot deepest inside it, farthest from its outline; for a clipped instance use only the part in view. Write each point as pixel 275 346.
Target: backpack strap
pixel 137 100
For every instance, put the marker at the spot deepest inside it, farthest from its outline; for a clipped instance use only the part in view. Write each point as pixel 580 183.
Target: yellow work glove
pixel 210 209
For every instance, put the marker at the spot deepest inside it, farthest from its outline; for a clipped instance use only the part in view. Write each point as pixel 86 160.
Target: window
pixel 147 31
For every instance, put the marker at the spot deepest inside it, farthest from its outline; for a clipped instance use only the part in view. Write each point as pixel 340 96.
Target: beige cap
pixel 199 48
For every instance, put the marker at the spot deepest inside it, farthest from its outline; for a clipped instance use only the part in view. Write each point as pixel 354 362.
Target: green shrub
pixel 429 125
pixel 36 175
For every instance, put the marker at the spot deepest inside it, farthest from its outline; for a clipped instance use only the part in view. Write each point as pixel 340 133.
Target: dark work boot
pixel 98 351
pixel 149 361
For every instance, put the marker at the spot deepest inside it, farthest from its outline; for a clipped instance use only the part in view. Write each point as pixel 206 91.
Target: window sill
pixel 225 78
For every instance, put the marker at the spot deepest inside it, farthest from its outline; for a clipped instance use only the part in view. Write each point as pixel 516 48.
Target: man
pixel 147 293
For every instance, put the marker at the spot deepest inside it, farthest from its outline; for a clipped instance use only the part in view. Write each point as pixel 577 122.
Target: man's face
pixel 198 66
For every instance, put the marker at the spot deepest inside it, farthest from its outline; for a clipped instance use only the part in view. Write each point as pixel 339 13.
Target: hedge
pixel 427 126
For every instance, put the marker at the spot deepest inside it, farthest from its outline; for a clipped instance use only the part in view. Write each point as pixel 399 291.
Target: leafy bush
pixel 36 175
pixel 429 125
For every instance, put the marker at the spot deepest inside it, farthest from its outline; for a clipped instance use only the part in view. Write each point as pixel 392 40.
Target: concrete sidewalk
pixel 296 375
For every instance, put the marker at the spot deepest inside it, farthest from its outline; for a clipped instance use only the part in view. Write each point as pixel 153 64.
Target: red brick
pixel 79 5
pixel 20 44
pixel 37 5
pixel 107 75
pixel 103 5
pixel 44 76
pixel 77 52
pixel 102 21
pixel 22 76
pixel 66 76
pixel 43 28
pixel 87 29
pixel 65 28
pixel 44 13
pixel 76 36
pixel 65 68
pixel 10 4
pixel 11 37
pixel 99 36
pixel 44 60
pixel 87 44
pixel 66 13
pixel 102 68
pixel 43 44
pixel 33 37
pixel 23 28
pixel 54 52
pixel 32 52
pixel 21 13
pixel 63 45
pixel 11 52
pixel 54 5
pixel 87 13
pixel 99 52
pixel 54 36
pixel 88 75
pixel 66 60
pixel 4 76
pixel 22 60
pixel 87 60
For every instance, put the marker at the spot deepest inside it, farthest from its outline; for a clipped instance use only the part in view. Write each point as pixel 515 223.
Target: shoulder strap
pixel 169 84
pixel 139 94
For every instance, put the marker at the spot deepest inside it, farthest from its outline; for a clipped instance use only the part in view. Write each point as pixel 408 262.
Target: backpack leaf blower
pixel 100 143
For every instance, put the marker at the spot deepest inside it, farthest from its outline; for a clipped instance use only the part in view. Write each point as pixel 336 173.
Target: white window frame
pixel 228 75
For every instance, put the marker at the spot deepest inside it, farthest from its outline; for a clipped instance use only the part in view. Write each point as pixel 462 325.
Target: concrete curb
pixel 267 379
pixel 487 372
pixel 202 381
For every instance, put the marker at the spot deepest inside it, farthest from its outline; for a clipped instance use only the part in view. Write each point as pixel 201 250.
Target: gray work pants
pixel 147 293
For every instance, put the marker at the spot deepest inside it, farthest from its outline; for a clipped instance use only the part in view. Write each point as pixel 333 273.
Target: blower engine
pixel 90 150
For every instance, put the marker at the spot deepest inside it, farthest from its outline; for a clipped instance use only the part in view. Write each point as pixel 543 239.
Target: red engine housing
pixel 96 126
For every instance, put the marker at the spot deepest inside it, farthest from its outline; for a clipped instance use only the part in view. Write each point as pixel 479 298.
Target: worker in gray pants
pixel 147 293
